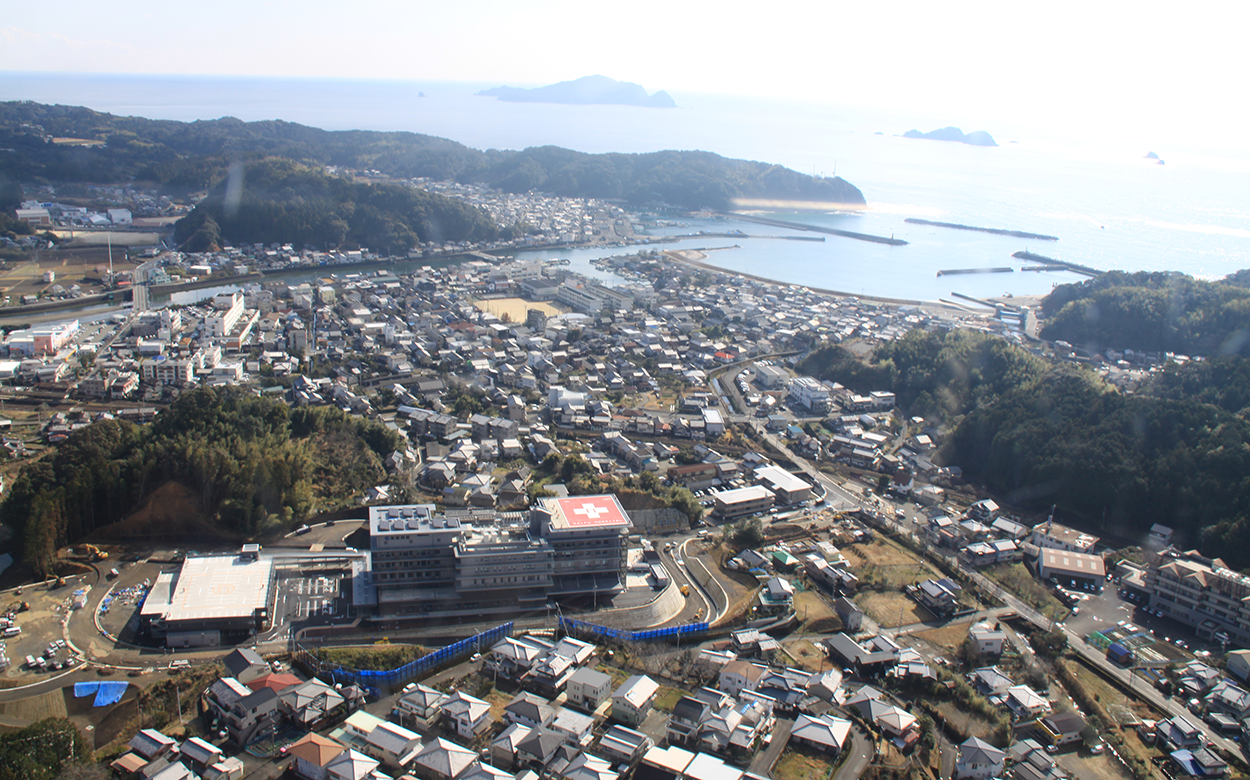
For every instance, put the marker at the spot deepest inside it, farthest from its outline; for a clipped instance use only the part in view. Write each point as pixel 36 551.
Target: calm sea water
pixel 1110 207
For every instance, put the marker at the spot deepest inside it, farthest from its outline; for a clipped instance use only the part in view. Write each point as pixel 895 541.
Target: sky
pixel 1178 66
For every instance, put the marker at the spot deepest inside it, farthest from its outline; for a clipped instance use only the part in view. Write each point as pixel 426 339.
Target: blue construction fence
pixel 377 680
pixel 582 628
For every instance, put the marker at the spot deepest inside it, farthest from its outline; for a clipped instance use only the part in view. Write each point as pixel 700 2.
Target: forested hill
pixel 254 465
pixel 190 156
pixel 1052 433
pixel 285 202
pixel 1153 312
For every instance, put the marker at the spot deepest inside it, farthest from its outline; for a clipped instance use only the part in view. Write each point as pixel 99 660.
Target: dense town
pixel 835 604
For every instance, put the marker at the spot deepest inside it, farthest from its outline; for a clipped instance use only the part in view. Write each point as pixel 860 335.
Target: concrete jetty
pixel 956 271
pixel 995 231
pixel 892 241
pixel 1050 261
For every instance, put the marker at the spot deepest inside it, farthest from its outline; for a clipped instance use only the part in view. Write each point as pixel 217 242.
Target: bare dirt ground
pixel 892 609
pixel 516 308
pixel 948 637
pixel 816 613
pixel 71 266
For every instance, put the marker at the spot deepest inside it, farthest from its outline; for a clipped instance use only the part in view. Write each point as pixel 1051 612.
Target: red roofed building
pixel 278 682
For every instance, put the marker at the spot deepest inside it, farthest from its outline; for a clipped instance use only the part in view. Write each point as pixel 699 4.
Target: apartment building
pixel 1201 592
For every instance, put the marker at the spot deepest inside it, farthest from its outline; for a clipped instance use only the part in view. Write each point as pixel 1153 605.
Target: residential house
pixel 442 760
pixel 503 750
pixel 738 676
pixel 313 754
pixel 986 638
pixel 1179 733
pixel 1063 728
pixel 151 743
pixel 421 706
pixel 307 704
pixel 470 714
pixel 199 753
pixel 1226 697
pixel 245 664
pixel 823 732
pixel 633 700
pixel 393 745
pixel 588 688
pixel 979 760
pixel 624 744
pixel 1239 664
pixel 578 729
pixel 1201 763
pixel 352 765
pixel 990 681
pixel 530 710
pixel 539 749
pixel 1024 702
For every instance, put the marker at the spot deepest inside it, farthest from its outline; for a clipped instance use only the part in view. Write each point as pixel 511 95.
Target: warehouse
pixel 210 600
pixel 1064 565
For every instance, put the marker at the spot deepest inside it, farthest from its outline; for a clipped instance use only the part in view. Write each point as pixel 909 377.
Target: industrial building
pixel 429 563
pixel 786 487
pixel 210 600
pixel 741 502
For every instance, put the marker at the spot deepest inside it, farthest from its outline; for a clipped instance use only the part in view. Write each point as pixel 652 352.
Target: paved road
pixel 861 753
pixel 763 762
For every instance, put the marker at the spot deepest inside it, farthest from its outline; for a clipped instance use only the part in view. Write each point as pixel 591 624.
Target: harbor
pixel 1051 264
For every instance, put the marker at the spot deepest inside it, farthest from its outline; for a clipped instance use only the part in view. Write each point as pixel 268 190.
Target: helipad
pixel 585 512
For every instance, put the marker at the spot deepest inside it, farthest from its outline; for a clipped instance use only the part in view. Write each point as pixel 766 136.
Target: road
pixel 860 754
pixel 763 762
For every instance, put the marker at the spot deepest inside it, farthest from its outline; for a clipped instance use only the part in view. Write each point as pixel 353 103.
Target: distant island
pixel 588 90
pixel 975 138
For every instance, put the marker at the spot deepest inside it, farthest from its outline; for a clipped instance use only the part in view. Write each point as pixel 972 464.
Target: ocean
pixel 1110 206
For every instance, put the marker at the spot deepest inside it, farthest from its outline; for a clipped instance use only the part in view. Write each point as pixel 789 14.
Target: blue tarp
pixel 110 693
pixel 85 689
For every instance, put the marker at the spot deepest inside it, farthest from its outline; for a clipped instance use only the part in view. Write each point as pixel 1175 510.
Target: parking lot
pixel 1115 607
pixel 309 597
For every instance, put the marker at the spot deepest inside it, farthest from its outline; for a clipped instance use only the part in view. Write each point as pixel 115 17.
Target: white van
pixel 12 631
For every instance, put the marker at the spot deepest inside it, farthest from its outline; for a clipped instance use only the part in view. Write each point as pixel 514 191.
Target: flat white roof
pixel 741 495
pixel 781 479
pixel 209 587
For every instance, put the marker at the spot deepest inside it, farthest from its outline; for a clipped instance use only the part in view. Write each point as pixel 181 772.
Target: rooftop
pixel 212 587
pixel 586 512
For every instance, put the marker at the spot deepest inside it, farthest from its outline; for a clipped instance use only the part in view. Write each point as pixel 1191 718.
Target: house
pixel 128 764
pixel 420 706
pixel 503 750
pixel 470 714
pixel 309 703
pixel 539 748
pixel 393 745
pixel 1063 728
pixel 482 771
pixel 313 754
pixel 849 613
pixel 874 655
pixel 1179 733
pixel 1228 698
pixel 530 710
pixel 990 681
pixel 1030 761
pixel 979 760
pixel 824 732
pixel 442 760
pixel 1239 664
pixel 1201 763
pixel 252 715
pixel 351 765
pixel 684 721
pixel 588 767
pixel 896 724
pixel 938 596
pixel 738 676
pixel 577 728
pixel 201 754
pixel 1024 702
pixel 151 743
pixel 633 700
pixel 986 638
pixel 588 688
pixel 245 665
pixel 624 744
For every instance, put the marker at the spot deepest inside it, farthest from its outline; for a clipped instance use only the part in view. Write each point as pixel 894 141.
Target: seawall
pixel 892 241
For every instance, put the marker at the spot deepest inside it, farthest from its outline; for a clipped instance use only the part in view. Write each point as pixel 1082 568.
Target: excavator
pixel 93 553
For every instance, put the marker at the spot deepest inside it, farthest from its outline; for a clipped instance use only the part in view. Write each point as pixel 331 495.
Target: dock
pixel 995 231
pixel 892 241
pixel 956 271
pixel 1054 264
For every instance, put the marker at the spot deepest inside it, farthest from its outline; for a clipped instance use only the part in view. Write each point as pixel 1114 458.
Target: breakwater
pixel 995 231
pixel 1050 261
pixel 956 271
pixel 892 241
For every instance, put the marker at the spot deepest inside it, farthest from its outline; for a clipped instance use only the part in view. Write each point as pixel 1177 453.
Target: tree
pixel 748 533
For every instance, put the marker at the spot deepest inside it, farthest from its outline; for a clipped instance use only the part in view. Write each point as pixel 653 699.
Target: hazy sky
pixel 1172 64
